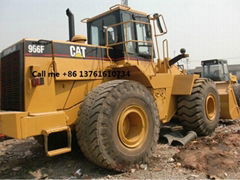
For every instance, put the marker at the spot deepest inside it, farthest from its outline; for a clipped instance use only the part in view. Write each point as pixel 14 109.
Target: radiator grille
pixel 11 82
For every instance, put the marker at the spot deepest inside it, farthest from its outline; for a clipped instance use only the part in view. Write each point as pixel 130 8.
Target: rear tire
pixel 118 125
pixel 200 111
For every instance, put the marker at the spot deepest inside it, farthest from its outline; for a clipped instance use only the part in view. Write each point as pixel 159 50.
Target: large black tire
pixel 98 124
pixel 200 111
pixel 236 89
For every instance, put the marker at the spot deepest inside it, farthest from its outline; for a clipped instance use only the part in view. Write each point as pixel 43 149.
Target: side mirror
pixel 160 23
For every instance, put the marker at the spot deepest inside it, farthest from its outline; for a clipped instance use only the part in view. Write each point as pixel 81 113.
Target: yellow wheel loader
pixel 227 86
pixel 111 89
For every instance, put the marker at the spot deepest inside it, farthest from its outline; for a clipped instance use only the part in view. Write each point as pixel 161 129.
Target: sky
pixel 207 29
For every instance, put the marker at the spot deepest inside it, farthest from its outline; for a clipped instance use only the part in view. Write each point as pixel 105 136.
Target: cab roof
pixel 115 8
pixel 214 61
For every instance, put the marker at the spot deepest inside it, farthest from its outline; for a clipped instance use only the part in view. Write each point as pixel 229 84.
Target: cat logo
pixel 77 51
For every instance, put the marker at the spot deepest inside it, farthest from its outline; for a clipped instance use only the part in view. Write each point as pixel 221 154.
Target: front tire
pixel 200 111
pixel 118 125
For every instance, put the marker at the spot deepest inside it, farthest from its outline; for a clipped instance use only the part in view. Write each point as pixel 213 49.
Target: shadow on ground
pixel 25 159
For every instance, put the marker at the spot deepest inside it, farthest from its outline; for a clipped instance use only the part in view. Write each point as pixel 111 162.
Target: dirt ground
pixel 216 156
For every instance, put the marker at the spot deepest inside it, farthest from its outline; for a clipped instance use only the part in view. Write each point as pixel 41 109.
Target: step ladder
pixel 55 152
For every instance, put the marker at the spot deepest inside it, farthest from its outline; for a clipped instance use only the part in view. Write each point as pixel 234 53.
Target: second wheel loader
pixel 227 86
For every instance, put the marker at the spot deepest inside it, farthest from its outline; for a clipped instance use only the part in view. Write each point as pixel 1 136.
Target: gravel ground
pixel 216 156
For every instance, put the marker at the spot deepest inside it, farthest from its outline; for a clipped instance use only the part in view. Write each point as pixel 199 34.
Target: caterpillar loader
pixel 227 86
pixel 111 90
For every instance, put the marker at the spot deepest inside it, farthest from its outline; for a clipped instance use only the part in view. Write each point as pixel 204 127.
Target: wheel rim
pixel 132 126
pixel 210 107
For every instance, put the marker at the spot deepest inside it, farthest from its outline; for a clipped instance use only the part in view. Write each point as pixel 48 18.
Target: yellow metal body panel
pixel 229 106
pixel 79 91
pixel 62 90
pixel 40 98
pixel 165 103
pixel 33 124
pixel 72 114
pixel 68 64
pixel 182 85
pixel 22 125
pixel 162 88
pixel 163 80
pixel 171 108
pixel 10 124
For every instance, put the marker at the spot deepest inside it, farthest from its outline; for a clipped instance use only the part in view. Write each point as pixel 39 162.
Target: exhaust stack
pixel 70 24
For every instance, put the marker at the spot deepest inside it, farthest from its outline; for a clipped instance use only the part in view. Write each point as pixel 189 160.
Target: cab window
pixel 226 73
pixel 95 35
pixel 142 35
pixel 128 37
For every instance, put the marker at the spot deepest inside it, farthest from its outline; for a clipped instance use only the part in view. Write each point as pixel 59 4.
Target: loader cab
pixel 215 69
pixel 126 32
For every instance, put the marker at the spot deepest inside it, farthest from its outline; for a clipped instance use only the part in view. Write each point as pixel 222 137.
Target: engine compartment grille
pixel 12 82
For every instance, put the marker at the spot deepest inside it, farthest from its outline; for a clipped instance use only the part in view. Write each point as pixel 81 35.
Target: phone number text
pixel 117 74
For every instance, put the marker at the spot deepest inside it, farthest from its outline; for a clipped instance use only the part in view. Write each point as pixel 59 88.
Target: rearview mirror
pixel 160 23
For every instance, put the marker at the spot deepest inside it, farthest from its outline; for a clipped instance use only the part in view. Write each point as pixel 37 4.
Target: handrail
pixel 118 5
pixel 84 20
pixel 156 42
pixel 165 49
pixel 123 42
pixel 125 22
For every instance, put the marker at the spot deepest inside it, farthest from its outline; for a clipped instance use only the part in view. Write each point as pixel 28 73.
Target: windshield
pixel 214 72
